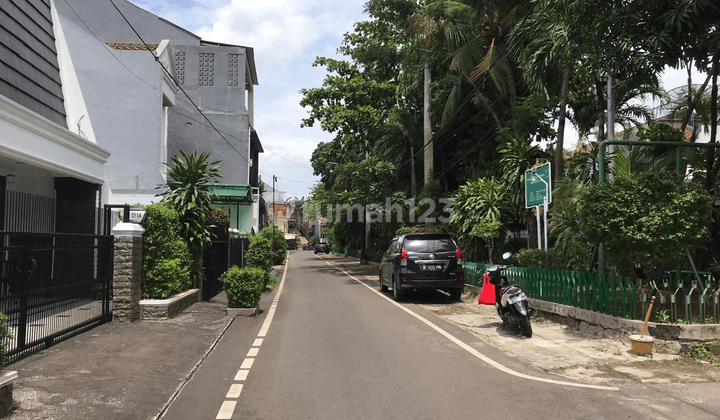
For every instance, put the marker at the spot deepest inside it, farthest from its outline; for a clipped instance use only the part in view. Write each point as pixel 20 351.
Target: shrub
pixel 243 287
pixel 259 254
pixel 652 218
pixel 4 334
pixel 278 247
pixel 540 258
pixel 403 230
pixel 219 215
pixel 166 278
pixel 166 260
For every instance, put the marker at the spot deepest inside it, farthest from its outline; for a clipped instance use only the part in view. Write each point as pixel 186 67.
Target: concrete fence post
pixel 127 273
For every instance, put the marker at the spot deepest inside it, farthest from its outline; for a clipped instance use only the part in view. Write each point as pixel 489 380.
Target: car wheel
pixel 455 294
pixel 397 294
pixel 327 251
pixel 315 252
pixel 383 287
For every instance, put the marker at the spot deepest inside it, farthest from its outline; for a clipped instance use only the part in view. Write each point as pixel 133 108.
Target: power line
pixel 283 157
pixel 108 49
pixel 157 59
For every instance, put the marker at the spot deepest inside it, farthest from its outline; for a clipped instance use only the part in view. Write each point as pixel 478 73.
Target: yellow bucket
pixel 641 344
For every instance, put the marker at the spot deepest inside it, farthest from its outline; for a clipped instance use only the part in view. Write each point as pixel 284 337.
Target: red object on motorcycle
pixel 487 295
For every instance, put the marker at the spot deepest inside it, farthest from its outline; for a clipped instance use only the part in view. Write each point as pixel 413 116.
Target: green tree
pixel 650 218
pixel 189 193
pixel 476 203
pixel 569 238
pixel 487 230
pixel 278 244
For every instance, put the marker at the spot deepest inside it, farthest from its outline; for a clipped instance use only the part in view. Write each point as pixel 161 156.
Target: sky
pixel 287 36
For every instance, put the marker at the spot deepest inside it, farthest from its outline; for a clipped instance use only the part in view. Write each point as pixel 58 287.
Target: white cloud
pixel 278 30
pixel 187 14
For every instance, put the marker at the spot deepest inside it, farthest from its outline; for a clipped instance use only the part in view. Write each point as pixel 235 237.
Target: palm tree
pixel 478 39
pixel 189 193
pixel 548 44
pixel 476 204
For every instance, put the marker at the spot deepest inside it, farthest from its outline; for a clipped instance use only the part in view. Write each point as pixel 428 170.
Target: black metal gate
pixel 53 286
pixel 224 253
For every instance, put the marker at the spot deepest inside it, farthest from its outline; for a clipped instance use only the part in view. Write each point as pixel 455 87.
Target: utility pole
pixel 274 217
pixel 366 217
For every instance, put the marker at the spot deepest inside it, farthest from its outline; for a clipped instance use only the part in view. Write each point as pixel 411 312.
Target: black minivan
pixel 422 261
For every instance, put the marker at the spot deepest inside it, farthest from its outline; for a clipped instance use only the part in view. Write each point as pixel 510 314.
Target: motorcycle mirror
pixel 506 255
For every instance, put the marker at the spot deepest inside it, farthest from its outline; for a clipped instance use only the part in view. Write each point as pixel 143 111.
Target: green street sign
pixel 535 187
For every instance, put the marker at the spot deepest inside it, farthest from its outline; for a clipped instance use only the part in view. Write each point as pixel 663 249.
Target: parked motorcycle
pixel 511 303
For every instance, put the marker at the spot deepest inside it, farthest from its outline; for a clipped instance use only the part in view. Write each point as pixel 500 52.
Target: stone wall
pixel 127 275
pixel 614 327
pixel 168 308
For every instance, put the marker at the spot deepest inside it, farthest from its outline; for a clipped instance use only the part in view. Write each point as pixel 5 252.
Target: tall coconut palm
pixel 479 51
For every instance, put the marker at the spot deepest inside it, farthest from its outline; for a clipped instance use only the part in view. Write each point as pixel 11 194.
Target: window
pixel 429 244
pixel 180 66
pixel 207 69
pixel 233 69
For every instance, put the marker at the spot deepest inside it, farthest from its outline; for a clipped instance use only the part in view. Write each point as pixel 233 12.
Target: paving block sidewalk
pixel 117 370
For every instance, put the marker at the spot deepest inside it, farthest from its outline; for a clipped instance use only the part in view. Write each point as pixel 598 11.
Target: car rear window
pixel 429 244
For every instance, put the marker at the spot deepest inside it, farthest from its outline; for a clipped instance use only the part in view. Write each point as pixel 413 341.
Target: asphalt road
pixel 332 347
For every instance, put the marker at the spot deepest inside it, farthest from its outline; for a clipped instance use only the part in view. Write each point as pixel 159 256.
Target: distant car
pixel 307 247
pixel 422 261
pixel 322 247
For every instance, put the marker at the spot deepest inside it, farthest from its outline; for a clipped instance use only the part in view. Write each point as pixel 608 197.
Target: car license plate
pixel 517 298
pixel 432 267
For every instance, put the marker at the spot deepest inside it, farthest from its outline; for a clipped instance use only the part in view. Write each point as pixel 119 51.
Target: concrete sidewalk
pixel 121 370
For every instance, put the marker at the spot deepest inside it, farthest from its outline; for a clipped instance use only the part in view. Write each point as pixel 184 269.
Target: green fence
pixel 681 298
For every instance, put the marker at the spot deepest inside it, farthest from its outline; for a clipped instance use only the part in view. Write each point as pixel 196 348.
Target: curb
pixel 233 312
pixel 596 322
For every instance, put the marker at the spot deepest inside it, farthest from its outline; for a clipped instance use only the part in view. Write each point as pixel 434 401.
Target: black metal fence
pixel 26 212
pixel 53 286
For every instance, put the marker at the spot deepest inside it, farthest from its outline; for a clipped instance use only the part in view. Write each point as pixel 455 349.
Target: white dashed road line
pixel 226 410
pixel 471 350
pixel 242 375
pixel 228 406
pixel 234 392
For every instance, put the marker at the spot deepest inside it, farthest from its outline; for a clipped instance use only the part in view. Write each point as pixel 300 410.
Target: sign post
pixel 539 192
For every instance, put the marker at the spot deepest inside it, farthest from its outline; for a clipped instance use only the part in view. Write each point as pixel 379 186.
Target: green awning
pixel 231 193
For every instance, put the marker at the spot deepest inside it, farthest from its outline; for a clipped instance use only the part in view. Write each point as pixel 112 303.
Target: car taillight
pixel 403 257
pixel 458 256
